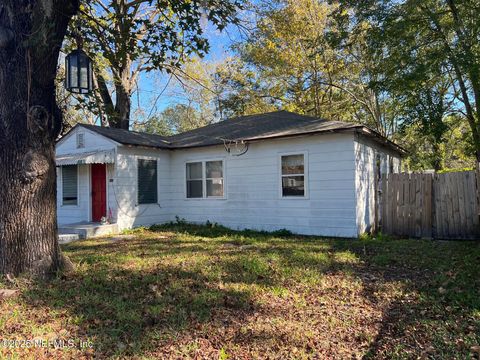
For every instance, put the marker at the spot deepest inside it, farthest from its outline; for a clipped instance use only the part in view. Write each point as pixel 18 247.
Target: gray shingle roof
pixel 255 127
pixel 130 137
pixel 248 128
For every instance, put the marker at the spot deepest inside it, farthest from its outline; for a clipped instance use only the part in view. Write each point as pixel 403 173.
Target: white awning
pixel 93 157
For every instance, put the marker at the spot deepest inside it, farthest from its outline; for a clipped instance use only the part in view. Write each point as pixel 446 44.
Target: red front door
pixel 99 192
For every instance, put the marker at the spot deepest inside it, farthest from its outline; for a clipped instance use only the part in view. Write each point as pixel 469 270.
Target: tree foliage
pixel 296 59
pixel 173 120
pixel 422 39
pixel 128 37
pixel 452 150
pixel 196 95
pixel 404 68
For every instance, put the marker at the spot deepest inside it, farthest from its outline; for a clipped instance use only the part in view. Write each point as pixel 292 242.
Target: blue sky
pixel 153 95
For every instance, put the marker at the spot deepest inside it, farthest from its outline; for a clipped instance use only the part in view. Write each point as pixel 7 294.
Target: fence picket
pixel 411 204
pixel 461 183
pixel 445 206
pixel 470 206
pixel 418 205
pixel 431 205
pixel 427 209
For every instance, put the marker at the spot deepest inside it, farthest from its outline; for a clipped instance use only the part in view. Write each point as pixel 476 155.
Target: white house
pixel 270 171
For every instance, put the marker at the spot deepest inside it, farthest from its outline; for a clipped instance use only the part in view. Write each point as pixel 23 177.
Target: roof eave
pixel 356 128
pixel 382 139
pixel 270 137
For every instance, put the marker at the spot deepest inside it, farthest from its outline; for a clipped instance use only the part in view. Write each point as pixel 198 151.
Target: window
pixel 147 181
pixel 293 175
pixel 70 185
pixel 194 180
pixel 80 140
pixel 214 177
pixel 205 179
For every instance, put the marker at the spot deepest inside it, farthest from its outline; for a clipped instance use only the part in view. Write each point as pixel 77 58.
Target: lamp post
pixel 78 71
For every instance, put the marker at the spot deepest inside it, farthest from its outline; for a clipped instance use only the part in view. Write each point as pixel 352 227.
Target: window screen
pixel 69 185
pixel 194 180
pixel 214 179
pixel 205 179
pixel 293 175
pixel 147 181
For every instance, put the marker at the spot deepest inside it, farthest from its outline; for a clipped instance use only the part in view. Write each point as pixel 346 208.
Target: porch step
pixel 88 230
pixel 67 238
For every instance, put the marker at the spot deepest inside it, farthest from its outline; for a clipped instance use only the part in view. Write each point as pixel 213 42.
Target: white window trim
pixel 137 204
pixel 78 189
pixel 306 194
pixel 204 179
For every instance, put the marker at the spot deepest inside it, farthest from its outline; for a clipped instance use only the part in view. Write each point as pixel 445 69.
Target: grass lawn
pixel 184 291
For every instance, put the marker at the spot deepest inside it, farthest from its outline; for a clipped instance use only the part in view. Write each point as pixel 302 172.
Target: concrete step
pixel 81 233
pixel 67 238
pixel 89 230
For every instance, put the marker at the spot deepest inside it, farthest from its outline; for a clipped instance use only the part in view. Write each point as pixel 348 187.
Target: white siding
pixel 123 189
pixel 252 183
pixel 365 167
pixel 68 145
pixel 70 214
pixel 93 141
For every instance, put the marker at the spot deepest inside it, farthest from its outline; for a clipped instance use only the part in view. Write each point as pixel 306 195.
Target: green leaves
pixel 128 37
pixel 429 53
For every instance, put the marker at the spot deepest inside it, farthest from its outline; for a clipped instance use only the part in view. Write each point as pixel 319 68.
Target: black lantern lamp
pixel 78 72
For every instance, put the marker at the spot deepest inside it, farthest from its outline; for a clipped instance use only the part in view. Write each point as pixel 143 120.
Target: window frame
pixel 306 194
pixel 78 187
pixel 80 144
pixel 204 179
pixel 138 158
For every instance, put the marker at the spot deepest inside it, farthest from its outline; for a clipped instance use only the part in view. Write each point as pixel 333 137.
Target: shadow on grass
pixel 123 310
pixel 437 312
pixel 128 295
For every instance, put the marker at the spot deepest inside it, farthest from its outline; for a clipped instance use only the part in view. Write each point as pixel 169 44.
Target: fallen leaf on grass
pixel 10 278
pixel 460 343
pixel 7 293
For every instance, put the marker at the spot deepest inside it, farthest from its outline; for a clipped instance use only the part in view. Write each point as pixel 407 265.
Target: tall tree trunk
pixel 122 108
pixel 31 34
pixel 123 88
pixel 118 115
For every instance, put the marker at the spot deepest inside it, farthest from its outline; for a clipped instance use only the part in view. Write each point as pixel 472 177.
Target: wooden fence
pixel 441 206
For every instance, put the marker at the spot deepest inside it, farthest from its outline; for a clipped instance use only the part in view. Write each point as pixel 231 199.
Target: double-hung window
pixel 205 179
pixel 147 181
pixel 195 180
pixel 293 175
pixel 70 185
pixel 214 178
